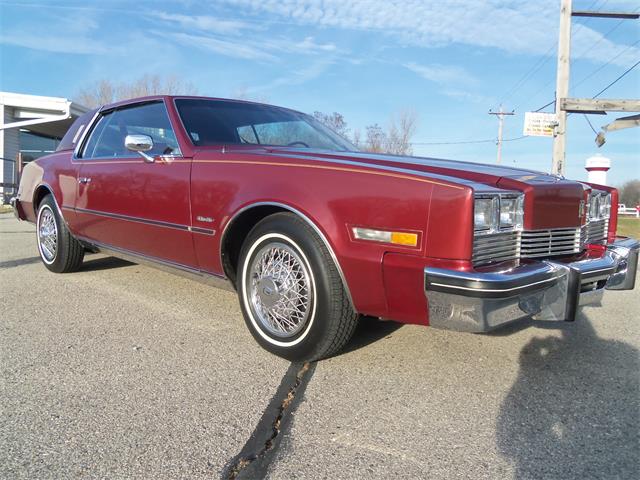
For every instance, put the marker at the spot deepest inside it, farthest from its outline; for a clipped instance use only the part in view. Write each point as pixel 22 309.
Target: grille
pixel 595 231
pixel 545 243
pixel 503 246
pixel 496 247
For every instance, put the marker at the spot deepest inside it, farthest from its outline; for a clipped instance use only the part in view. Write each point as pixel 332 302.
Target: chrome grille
pixel 595 231
pixel 496 247
pixel 556 241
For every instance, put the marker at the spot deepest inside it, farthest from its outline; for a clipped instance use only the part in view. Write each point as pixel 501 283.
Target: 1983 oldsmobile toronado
pixel 312 233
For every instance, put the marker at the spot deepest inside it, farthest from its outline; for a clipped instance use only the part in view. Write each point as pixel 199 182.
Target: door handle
pixel 84 180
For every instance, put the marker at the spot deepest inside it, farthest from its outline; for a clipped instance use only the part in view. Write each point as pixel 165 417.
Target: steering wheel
pixel 293 144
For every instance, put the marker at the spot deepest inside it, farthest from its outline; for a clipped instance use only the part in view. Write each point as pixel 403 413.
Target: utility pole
pixel 562 88
pixel 500 114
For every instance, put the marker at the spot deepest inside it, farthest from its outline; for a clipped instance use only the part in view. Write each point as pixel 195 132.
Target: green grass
pixel 629 227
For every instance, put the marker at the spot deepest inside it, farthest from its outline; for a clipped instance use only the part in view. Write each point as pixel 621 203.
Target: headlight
pixel 511 212
pixel 494 212
pixel 485 215
pixel 599 205
pixel 605 206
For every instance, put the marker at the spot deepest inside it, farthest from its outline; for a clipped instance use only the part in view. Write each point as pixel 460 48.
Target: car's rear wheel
pixel 59 251
pixel 291 294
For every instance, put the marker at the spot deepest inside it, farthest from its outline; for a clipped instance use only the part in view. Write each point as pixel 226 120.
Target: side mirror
pixel 140 144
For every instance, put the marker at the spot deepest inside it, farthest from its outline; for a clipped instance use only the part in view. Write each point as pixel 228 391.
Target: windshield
pixel 215 122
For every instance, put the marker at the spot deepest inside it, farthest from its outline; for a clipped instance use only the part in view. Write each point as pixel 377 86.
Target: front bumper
pixel 15 204
pixel 544 290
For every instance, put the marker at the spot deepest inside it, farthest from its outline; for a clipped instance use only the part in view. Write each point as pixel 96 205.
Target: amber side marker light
pixel 383 236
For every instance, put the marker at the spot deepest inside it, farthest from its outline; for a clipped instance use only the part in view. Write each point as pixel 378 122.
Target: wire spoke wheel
pixel 47 234
pixel 279 289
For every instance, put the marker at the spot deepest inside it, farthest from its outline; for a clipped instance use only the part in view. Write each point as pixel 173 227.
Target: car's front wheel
pixel 291 292
pixel 59 251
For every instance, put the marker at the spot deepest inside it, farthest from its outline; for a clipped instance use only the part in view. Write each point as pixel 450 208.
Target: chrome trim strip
pixel 87 129
pixel 118 216
pixel 308 221
pixel 204 231
pixel 201 276
pixel 490 290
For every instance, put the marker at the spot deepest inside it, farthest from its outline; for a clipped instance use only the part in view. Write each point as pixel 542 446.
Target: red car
pixel 313 234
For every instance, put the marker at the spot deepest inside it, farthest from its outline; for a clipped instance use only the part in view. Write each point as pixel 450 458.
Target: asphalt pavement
pixel 123 371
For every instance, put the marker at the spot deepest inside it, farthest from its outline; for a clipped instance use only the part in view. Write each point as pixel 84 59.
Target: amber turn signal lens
pixel 400 238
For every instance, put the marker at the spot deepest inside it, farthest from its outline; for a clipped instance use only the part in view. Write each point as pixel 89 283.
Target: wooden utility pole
pixel 562 88
pixel 500 114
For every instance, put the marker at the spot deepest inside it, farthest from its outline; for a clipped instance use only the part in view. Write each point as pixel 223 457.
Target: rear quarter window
pixel 74 133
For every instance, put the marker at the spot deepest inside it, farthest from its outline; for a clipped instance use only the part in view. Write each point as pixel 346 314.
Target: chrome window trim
pixel 103 111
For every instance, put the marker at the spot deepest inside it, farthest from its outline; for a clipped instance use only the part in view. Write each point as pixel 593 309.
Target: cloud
pixel 442 74
pixel 53 43
pixel 295 77
pixel 229 48
pixel 204 22
pixel 61 34
pixel 514 27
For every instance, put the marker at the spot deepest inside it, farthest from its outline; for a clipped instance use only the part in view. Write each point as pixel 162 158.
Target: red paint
pixel 334 190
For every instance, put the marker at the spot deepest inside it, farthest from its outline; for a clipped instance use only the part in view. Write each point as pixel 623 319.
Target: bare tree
pixel 105 91
pixel 243 93
pixel 630 193
pixel 335 121
pixel 396 139
pixel 402 128
pixel 356 138
pixel 376 139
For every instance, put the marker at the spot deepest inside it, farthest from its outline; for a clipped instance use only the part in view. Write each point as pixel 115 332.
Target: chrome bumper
pixel 15 204
pixel 545 290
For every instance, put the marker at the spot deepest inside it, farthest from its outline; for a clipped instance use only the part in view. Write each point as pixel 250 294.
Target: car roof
pixel 151 98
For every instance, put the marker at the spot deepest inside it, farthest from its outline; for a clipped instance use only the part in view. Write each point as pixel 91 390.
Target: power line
pixel 598 70
pixel 602 38
pixel 589 122
pixel 468 142
pixel 545 59
pixel 604 65
pixel 617 79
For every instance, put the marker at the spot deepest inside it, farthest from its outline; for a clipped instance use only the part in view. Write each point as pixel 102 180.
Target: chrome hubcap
pixel 279 289
pixel 47 234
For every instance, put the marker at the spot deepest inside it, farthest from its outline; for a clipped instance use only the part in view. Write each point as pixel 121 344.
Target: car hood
pixel 475 172
pixel 551 201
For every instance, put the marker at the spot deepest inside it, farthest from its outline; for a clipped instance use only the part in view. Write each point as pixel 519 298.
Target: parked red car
pixel 312 233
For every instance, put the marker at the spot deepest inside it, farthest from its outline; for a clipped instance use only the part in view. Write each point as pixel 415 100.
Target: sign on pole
pixel 538 124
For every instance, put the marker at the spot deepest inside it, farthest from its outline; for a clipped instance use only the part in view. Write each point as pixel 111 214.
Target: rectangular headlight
pixel 599 205
pixel 486 213
pixel 605 205
pixel 511 212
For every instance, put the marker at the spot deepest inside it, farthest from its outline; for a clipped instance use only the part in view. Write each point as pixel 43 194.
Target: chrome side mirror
pixel 140 144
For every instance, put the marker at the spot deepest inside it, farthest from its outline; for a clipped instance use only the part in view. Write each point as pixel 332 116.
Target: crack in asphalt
pixel 17 263
pixel 256 455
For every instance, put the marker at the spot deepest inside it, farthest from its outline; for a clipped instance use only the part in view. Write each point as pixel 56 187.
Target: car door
pixel 128 202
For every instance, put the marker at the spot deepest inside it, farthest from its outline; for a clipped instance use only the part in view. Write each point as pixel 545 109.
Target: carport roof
pixel 51 116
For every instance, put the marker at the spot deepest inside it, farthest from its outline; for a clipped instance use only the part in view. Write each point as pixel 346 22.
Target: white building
pixel 30 126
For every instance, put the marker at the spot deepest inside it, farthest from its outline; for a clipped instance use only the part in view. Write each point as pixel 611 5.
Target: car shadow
pixel 573 409
pixel 369 330
pixel 104 263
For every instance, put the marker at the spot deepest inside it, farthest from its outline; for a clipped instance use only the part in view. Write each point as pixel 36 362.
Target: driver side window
pixel 108 136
